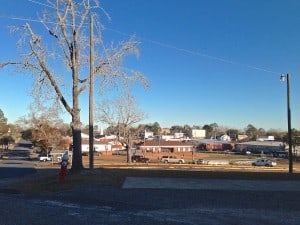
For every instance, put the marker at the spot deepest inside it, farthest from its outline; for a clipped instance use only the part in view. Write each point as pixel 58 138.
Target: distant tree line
pixel 46 131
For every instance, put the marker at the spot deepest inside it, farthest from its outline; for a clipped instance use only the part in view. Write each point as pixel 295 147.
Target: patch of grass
pixel 51 183
pixel 116 176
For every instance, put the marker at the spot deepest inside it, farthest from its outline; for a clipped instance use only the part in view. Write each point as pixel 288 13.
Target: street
pixel 149 201
pixel 110 205
pixel 17 165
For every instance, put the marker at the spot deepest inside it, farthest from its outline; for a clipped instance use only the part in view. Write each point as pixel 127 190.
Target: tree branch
pixel 2 65
pixel 42 64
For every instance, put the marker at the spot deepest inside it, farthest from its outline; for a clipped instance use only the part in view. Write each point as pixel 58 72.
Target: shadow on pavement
pixel 8 172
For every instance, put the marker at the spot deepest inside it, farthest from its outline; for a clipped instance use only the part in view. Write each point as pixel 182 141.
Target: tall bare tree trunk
pixel 77 156
pixel 76 122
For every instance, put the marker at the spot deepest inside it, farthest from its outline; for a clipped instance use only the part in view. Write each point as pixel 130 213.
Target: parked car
pixel 201 161
pixel 264 162
pixel 139 158
pixel 44 158
pixel 171 159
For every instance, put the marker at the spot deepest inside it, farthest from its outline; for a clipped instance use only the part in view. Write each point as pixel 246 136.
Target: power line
pixel 191 52
pixel 40 3
pixel 197 53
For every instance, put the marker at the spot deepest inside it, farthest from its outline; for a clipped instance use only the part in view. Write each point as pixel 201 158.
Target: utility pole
pixel 282 78
pixel 91 96
pixel 289 125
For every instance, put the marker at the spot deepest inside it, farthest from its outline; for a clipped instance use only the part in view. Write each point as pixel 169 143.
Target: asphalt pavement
pixel 16 168
pixel 161 201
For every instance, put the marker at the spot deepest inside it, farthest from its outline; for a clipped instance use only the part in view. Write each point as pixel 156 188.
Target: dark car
pixel 139 158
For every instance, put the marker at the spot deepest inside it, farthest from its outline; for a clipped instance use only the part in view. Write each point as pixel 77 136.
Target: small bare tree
pixel 45 126
pixel 123 114
pixel 59 59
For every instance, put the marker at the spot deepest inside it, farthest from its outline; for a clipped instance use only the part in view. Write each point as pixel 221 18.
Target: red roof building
pixel 166 146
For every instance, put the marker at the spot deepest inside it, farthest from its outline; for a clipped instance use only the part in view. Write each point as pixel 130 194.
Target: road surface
pixel 156 201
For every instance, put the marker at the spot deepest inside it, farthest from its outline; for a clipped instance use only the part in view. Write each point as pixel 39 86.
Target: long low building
pixel 258 147
pixel 166 146
pixel 213 145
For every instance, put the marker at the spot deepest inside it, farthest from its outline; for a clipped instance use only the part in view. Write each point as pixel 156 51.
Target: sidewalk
pixel 210 184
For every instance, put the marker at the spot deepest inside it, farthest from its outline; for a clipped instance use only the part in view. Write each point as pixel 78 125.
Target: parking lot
pixel 214 161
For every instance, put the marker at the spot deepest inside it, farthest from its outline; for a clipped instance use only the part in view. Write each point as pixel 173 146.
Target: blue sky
pixel 215 61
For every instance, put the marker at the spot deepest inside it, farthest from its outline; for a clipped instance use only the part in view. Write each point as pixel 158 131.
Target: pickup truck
pixel 171 159
pixel 139 158
pixel 44 158
pixel 264 162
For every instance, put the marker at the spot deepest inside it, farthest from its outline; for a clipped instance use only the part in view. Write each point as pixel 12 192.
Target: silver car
pixel 264 162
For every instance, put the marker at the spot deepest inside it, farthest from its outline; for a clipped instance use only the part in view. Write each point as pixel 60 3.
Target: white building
pixel 198 133
pixel 147 134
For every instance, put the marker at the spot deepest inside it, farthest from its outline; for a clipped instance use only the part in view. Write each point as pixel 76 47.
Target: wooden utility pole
pixel 91 96
pixel 289 124
pixel 287 78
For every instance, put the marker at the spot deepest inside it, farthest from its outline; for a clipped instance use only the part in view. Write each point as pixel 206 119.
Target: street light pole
pixel 282 77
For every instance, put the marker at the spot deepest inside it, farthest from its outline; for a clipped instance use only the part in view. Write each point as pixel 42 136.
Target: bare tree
pixel 59 59
pixel 45 127
pixel 123 114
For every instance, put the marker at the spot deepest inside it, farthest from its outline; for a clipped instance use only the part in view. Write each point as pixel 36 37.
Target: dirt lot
pixel 188 157
pixel 236 162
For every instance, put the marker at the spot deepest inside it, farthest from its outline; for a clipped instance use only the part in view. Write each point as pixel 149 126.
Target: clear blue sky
pixel 216 61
